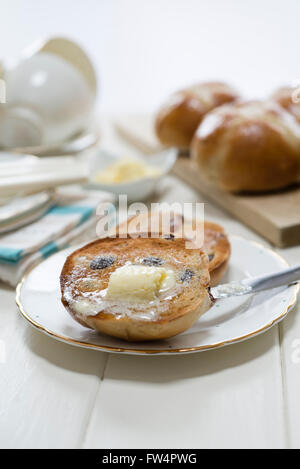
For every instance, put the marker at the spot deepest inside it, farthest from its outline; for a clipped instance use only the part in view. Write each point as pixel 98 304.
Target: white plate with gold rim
pixel 228 321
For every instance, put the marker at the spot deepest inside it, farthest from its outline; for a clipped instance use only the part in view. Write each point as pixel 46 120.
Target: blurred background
pixel 143 50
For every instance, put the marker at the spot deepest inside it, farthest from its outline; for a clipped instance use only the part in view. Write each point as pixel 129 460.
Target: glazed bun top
pixel 249 146
pixel 289 98
pixel 180 115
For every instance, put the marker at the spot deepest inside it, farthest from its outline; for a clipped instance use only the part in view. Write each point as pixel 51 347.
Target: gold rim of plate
pixel 139 351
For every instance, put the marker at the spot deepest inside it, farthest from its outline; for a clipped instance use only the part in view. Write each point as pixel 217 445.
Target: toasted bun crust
pixel 250 146
pixel 174 313
pixel 217 246
pixel 289 98
pixel 179 117
pixel 216 242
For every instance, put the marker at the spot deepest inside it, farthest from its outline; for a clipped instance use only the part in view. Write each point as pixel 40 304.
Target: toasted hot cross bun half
pixel 289 98
pixel 216 243
pixel 89 287
pixel 180 115
pixel 250 146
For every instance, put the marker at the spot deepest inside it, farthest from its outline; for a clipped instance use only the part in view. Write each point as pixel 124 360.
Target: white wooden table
pixel 54 395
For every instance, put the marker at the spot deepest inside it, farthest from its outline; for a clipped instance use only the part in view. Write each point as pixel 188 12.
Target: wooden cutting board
pixel 275 216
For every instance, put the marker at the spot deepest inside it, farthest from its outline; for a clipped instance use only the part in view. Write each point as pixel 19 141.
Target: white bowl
pixel 138 189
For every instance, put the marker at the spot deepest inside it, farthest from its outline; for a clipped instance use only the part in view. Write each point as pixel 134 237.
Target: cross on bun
pixel 180 115
pixel 248 146
pixel 289 98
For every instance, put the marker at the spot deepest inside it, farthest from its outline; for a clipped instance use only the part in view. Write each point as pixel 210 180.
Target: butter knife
pixel 256 284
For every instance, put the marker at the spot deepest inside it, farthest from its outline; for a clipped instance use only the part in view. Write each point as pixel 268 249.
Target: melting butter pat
pixel 126 169
pixel 139 283
pixel 84 308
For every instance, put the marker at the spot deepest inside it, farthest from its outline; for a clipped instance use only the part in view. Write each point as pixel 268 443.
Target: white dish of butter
pixel 126 170
pixel 227 322
pixel 137 177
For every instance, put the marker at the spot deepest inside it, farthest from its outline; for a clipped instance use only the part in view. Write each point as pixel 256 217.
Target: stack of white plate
pixel 22 175
pixel 20 211
pixel 27 185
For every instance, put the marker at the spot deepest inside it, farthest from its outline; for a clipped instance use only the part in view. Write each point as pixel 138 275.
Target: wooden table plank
pixel 230 397
pixel 290 353
pixel 47 388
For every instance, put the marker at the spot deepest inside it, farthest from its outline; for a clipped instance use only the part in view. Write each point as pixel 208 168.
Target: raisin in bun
pixel 250 146
pixel 216 242
pixel 289 98
pixel 180 115
pixel 104 285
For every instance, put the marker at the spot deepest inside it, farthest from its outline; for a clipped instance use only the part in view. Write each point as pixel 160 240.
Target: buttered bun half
pixel 179 117
pixel 136 288
pixel 248 146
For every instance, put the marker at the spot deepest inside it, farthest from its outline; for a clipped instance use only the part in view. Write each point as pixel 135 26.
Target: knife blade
pixel 256 284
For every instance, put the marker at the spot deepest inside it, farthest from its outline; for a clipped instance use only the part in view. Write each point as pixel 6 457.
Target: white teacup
pixel 50 95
